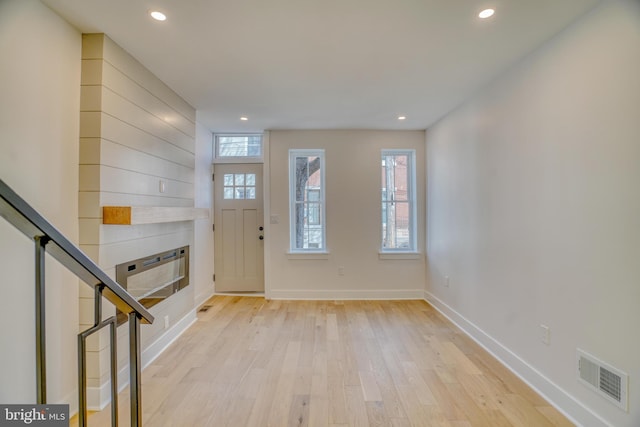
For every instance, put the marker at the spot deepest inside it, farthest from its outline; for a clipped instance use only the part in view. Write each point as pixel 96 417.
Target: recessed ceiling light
pixel 486 13
pixel 402 117
pixel 158 16
pixel 244 118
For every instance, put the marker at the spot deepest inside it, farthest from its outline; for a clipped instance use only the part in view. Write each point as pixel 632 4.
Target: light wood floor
pixel 253 362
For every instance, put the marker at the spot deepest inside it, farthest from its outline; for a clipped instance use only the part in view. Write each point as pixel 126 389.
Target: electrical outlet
pixel 545 334
pixel 446 281
pixel 163 186
pixel 166 322
pixel 341 270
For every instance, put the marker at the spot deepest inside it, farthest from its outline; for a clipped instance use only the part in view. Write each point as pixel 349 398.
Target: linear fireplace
pixel 154 278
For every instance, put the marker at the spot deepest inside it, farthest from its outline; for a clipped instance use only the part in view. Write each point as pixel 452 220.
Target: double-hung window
pixel 306 200
pixel 398 197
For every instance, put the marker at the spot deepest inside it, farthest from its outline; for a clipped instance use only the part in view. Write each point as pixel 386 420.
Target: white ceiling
pixel 324 64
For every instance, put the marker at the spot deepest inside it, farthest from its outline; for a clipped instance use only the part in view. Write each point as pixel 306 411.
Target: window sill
pixel 400 255
pixel 307 255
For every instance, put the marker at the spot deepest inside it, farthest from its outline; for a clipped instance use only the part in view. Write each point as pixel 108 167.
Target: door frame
pixel 266 204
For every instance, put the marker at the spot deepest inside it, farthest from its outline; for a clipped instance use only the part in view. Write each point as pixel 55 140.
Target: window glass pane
pixel 228 192
pixel 251 179
pixel 239 180
pixel 300 229
pixel 313 214
pixel 306 197
pixel 384 208
pixel 302 176
pixel 395 229
pixel 385 178
pixel 250 193
pixel 254 145
pixel 228 179
pixel 395 177
pixel 314 172
pixel 239 193
pixel 239 145
pixel 231 146
pixel 401 178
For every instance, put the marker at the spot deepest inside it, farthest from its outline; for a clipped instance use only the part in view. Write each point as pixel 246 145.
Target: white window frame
pixel 412 200
pixel 237 159
pixel 293 154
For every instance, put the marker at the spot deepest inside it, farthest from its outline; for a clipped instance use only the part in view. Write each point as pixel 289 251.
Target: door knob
pixel 261 228
pixel 261 237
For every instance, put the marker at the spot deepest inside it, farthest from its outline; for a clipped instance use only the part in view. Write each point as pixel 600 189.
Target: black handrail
pixel 19 213
pixel 48 239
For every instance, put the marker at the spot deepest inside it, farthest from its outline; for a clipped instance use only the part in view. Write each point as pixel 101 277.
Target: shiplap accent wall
pixel 134 132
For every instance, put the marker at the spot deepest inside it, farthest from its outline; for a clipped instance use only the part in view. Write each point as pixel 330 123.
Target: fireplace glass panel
pixel 152 279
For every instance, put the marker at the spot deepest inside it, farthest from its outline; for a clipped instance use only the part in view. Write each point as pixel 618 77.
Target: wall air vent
pixel 609 382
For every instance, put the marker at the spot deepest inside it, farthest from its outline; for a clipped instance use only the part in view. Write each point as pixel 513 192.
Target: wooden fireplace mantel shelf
pixel 133 215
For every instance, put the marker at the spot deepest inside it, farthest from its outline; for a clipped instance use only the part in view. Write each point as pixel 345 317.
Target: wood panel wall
pixel 134 133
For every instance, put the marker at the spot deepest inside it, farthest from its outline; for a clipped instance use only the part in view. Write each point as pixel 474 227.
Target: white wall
pixel 40 87
pixel 353 210
pixel 202 276
pixel 534 211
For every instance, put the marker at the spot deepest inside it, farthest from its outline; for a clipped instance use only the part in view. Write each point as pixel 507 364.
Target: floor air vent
pixel 604 379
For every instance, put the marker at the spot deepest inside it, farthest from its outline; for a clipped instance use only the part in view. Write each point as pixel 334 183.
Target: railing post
pixel 97 304
pixel 135 382
pixel 41 335
pixel 82 381
pixel 114 371
pixel 82 360
pixel 112 322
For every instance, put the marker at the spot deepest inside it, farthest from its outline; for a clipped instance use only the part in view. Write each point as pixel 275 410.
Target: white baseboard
pixel 204 297
pixel 560 399
pixel 72 400
pixel 154 350
pixel 99 397
pixel 242 294
pixel 396 294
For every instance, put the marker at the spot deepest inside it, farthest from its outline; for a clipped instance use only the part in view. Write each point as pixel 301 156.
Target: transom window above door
pixel 239 186
pixel 238 148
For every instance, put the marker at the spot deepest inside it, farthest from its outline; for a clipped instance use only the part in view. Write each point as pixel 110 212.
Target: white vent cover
pixel 604 379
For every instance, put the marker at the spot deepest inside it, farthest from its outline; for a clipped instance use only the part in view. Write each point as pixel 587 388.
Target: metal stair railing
pixel 47 239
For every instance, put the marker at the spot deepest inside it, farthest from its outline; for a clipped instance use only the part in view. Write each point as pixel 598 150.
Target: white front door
pixel 239 228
